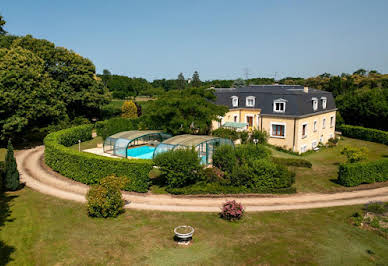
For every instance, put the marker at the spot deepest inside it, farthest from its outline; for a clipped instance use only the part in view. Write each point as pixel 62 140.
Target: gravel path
pixel 40 178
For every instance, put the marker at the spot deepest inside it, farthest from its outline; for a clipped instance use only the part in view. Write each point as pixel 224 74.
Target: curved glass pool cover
pixel 119 143
pixel 204 145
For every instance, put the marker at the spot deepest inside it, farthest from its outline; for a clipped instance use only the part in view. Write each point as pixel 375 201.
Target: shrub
pixel 292 162
pixel 375 207
pixel 226 133
pixel 225 158
pixel 375 223
pixel 179 168
pixel 105 200
pixel 363 133
pixel 244 136
pixel 261 174
pixel 129 109
pixel 261 136
pixel 250 152
pixel 2 171
pixel 110 110
pixel 354 174
pixel 231 211
pixel 11 176
pixel 354 154
pixel 115 125
pixel 213 174
pixel 90 168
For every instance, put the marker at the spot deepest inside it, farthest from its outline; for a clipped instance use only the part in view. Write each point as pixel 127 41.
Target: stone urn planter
pixel 183 233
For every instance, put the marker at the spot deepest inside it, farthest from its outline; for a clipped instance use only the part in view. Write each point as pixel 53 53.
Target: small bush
pixel 226 133
pixel 179 168
pixel 213 174
pixel 2 171
pixel 11 176
pixel 225 158
pixel 292 162
pixel 105 200
pixel 129 109
pixel 354 174
pixel 375 207
pixel 261 136
pixel 231 211
pixel 363 133
pixel 354 154
pixel 251 152
pixel 244 136
pixel 375 223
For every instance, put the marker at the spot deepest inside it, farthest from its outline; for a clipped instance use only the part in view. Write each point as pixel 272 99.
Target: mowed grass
pixel 48 231
pixel 88 144
pixel 322 176
pixel 2 154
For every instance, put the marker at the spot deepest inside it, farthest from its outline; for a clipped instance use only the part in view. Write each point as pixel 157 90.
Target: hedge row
pixel 354 174
pixel 363 133
pixel 292 162
pixel 216 188
pixel 90 168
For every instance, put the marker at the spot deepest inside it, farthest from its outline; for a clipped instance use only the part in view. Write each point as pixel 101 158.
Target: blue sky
pixel 159 39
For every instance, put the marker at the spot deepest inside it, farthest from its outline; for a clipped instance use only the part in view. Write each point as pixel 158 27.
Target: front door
pixel 250 121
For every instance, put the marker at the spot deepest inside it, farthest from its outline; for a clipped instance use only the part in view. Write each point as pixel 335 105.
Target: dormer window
pixel 234 101
pixel 315 104
pixel 279 105
pixel 250 101
pixel 324 102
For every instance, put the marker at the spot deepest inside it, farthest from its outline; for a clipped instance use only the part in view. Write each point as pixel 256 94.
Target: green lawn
pixel 48 231
pixel 88 144
pixel 321 177
pixel 2 154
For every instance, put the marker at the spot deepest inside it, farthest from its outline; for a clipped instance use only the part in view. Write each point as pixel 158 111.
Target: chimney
pixel 306 89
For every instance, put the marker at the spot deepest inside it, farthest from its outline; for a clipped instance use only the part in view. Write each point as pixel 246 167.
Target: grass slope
pixel 48 231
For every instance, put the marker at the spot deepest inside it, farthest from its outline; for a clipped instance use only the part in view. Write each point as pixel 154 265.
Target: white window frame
pixel 236 119
pixel 315 103
pixel 304 136
pixel 253 98
pixel 332 121
pixel 324 102
pixel 282 101
pixel 234 101
pixel 324 123
pixel 278 124
pixel 303 148
pixel 314 144
pixel 315 126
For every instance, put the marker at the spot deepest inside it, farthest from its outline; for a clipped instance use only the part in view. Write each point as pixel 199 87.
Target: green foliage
pixel 244 136
pixel 11 178
pixel 250 152
pixel 183 111
pixel 196 82
pixel 363 133
pixel 354 154
pixel 261 136
pixel 225 158
pixel 375 207
pixel 115 125
pixel 181 82
pixel 123 87
pixel 213 174
pixel 354 174
pixel 90 168
pixel 105 200
pixel 292 162
pixel 231 211
pixel 2 174
pixel 238 83
pixel 129 110
pixel 226 133
pixel 2 23
pixel 179 168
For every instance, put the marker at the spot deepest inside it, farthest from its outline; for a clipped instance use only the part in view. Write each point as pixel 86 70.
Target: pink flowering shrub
pixel 232 210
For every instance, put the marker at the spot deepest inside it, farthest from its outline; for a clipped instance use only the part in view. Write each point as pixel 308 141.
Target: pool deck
pixel 100 151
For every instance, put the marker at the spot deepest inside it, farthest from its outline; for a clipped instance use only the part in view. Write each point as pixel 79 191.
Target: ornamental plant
pixel 354 154
pixel 129 109
pixel 11 177
pixel 232 210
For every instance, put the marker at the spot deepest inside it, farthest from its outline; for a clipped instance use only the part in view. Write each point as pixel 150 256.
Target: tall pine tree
pixel 181 82
pixel 11 180
pixel 196 81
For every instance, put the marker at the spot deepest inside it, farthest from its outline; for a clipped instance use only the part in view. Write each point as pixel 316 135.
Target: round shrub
pixel 225 158
pixel 232 210
pixel 213 174
pixel 129 109
pixel 179 168
pixel 105 200
pixel 261 136
pixel 250 152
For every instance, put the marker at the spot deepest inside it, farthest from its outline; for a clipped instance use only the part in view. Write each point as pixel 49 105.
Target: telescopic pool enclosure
pixel 120 143
pixel 204 145
pixel 141 144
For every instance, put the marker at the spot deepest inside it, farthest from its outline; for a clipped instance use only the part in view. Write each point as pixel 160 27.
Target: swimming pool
pixel 142 152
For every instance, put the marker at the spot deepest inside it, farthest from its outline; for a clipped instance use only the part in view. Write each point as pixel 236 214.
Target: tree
pixel 183 111
pixel 2 23
pixel 238 83
pixel 354 154
pixel 129 109
pixel 11 181
pixel 361 72
pixel 106 72
pixel 196 82
pixel 181 82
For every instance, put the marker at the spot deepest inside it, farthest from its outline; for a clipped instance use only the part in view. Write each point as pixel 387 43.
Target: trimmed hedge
pixel 292 162
pixel 216 188
pixel 354 174
pixel 364 133
pixel 90 168
pixel 2 171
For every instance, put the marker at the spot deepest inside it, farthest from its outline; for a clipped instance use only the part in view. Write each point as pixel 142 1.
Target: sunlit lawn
pixel 2 154
pixel 48 231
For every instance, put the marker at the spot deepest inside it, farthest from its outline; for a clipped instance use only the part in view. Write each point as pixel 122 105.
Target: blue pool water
pixel 142 152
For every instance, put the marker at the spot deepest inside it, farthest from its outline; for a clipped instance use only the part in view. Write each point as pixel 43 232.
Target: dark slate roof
pixel 298 103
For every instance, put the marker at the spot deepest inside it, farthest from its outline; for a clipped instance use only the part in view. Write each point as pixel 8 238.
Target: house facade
pixel 296 118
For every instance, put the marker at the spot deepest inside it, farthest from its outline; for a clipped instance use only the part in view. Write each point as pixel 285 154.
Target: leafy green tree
pixel 361 72
pixel 196 82
pixel 11 180
pixel 354 154
pixel 2 23
pixel 238 83
pixel 183 111
pixel 181 82
pixel 129 110
pixel 106 72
